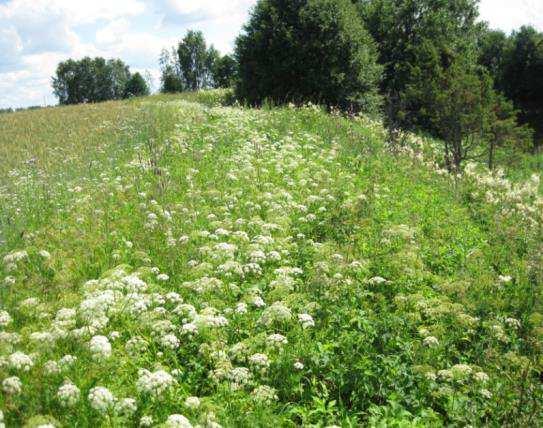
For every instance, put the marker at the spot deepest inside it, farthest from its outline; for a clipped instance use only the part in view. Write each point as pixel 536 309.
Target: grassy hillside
pixel 284 266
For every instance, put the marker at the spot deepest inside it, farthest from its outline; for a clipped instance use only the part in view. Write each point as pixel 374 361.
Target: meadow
pixel 170 261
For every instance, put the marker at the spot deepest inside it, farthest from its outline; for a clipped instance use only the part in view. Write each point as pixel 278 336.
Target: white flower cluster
pixel 278 312
pixel 170 341
pixel 101 399
pixel 5 319
pixel 259 360
pixel 431 341
pixel 306 320
pixel 178 421
pixel 192 402
pixel 276 339
pixel 100 347
pixel 68 394
pixel 12 385
pixel 126 407
pixel 15 256
pixel 20 361
pixel 146 421
pixel 265 394
pixel 154 383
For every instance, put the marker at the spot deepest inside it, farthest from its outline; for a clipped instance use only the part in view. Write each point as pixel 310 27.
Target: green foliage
pixel 136 86
pixel 417 40
pixel 493 48
pixel 170 77
pixel 195 61
pixel 90 80
pixel 192 66
pixel 432 51
pixel 225 72
pixel 522 80
pixel 516 64
pixel 310 50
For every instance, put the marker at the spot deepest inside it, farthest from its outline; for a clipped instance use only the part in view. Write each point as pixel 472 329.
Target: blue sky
pixel 37 34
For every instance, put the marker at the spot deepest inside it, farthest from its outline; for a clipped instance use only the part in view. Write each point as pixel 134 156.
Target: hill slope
pixel 285 266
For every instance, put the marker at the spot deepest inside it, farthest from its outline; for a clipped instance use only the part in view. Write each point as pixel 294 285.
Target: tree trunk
pixel 457 154
pixel 491 155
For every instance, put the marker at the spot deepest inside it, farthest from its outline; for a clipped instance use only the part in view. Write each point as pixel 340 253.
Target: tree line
pixel 96 80
pixel 13 110
pixel 423 65
pixel 426 65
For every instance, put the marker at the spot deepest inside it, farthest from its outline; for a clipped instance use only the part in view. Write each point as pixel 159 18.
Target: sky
pixel 35 35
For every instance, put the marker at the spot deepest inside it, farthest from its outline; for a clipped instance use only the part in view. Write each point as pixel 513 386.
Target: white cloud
pixel 139 50
pixel 112 32
pixel 191 11
pixel 11 47
pixel 509 15
pixel 78 12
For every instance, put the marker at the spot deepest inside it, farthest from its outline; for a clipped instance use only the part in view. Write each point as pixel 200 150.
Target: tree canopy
pixel 90 80
pixel 516 63
pixel 136 86
pixel 192 66
pixel 308 50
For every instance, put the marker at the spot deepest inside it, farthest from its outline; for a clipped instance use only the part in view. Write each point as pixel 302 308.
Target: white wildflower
pixel 126 407
pixel 178 421
pixel 12 385
pixel 5 319
pixel 15 256
pixel 264 394
pixel 277 312
pixel 486 393
pixel 239 375
pixel 9 280
pixel 170 341
pixel 101 399
pixel 189 328
pixel 135 346
pixel 154 383
pixel 241 308
pixel 306 320
pixel 67 361
pixel 513 322
pixel 45 254
pixel 100 347
pixel 277 339
pixel 258 302
pixel 481 377
pixel 259 360
pixel 146 421
pixel 20 361
pixel 68 394
pixel 192 402
pixel 51 368
pixel 431 341
pixel 377 280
